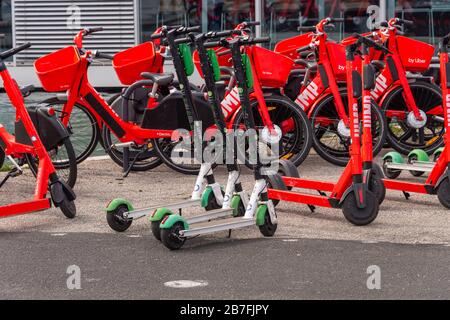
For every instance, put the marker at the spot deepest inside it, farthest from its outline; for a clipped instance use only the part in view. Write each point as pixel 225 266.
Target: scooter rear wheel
pixel 171 237
pixel 360 216
pixel 116 220
pixel 443 193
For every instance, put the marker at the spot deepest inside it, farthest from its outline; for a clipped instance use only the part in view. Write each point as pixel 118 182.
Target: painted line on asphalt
pixel 184 284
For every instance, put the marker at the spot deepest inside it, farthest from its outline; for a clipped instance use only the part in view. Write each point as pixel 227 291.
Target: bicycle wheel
pixel 296 131
pixel 63 159
pixel 330 142
pixel 177 155
pixel 83 128
pixel 401 135
pixel 146 160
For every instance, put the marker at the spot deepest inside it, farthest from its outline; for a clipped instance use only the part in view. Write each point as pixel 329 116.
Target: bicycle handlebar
pixel 370 43
pixel 305 48
pixel 8 53
pixel 89 31
pixel 252 23
pixel 177 31
pixel 306 28
pixel 102 55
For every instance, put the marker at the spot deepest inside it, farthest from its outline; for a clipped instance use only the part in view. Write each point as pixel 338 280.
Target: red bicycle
pixel 411 102
pixel 320 91
pixel 27 143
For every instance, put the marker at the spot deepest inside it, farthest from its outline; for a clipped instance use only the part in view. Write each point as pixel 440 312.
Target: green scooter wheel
pixel 171 237
pixel 411 159
pixel 117 221
pixel 267 229
pixel 390 173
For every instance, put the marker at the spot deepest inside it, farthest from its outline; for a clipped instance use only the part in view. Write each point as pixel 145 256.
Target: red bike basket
pixel 336 53
pixel 57 70
pixel 130 63
pixel 288 47
pixel 415 55
pixel 272 69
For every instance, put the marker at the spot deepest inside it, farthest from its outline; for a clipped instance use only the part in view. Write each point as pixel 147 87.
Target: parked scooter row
pixel 173 105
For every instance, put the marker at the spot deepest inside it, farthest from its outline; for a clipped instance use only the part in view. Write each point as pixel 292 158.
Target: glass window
pixel 431 18
pixel 218 14
pixel 5 25
pixel 282 17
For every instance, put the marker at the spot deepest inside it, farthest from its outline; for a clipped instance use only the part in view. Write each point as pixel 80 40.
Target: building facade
pixel 51 24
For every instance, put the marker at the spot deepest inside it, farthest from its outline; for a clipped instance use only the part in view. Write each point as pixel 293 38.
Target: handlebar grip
pixel 156 36
pixel 384 24
pixel 303 49
pixel 225 33
pixel 224 53
pixel 102 55
pixel 183 40
pixel 408 23
pixel 252 23
pixel 337 20
pixel 213 44
pixel 92 30
pixel 260 40
pixel 8 53
pixel 193 29
pixel 306 28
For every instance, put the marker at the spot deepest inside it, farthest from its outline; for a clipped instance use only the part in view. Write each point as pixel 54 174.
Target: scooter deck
pixel 139 213
pixel 210 215
pixel 218 225
pixel 24 207
pixel 423 167
pixel 405 186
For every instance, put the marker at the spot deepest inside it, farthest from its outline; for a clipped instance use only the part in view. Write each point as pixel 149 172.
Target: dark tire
pixel 2 157
pixel 116 221
pixel 63 159
pixel 170 237
pixel 376 185
pixel 403 138
pixel 329 143
pixel 83 127
pixel 68 208
pixel 275 181
pixel 390 173
pixel 358 216
pixel 240 210
pixel 268 229
pixel 146 161
pixel 296 143
pixel 212 202
pixel 415 173
pixel 443 193
pixel 156 230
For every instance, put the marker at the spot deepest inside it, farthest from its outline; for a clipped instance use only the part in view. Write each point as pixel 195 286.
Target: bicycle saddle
pixel 161 79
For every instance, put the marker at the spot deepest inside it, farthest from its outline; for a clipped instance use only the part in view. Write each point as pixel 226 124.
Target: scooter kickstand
pixel 127 172
pixel 229 234
pixel 312 208
pixel 407 195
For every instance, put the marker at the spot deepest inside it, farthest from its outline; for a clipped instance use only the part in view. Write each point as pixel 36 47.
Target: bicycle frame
pixel 46 171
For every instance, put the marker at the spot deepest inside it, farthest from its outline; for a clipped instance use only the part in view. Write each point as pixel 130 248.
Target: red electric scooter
pixel 359 189
pixel 26 141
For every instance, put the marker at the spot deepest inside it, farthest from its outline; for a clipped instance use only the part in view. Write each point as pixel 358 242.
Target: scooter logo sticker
pixel 197 187
pixel 367 121
pixel 230 102
pixel 380 86
pixel 309 94
pixel 355 119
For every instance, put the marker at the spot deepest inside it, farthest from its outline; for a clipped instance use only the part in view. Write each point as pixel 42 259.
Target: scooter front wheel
pixel 117 221
pixel 376 184
pixel 443 193
pixel 171 237
pixel 360 216
pixel 68 208
pixel 267 229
